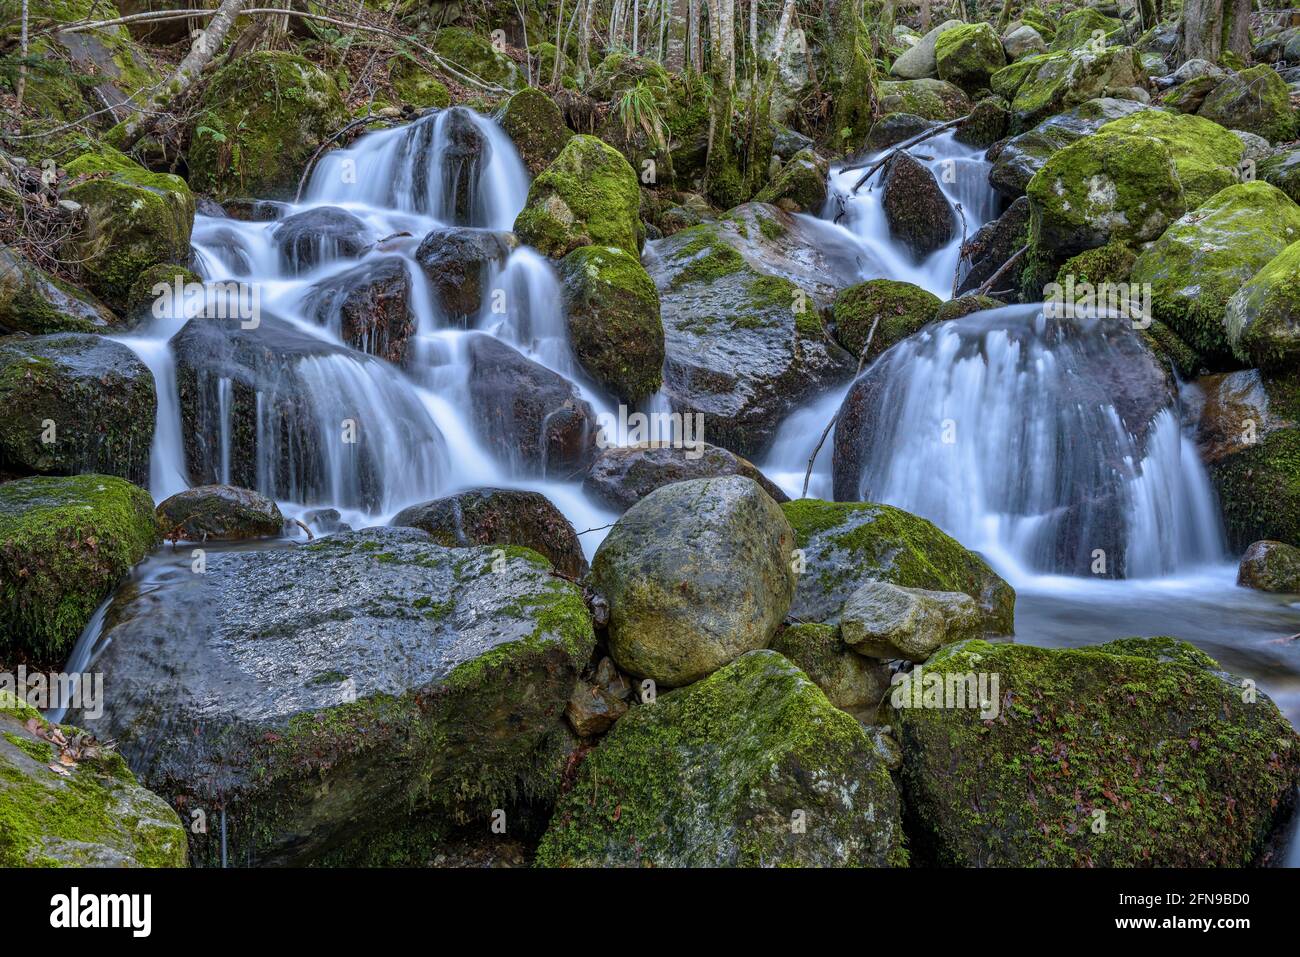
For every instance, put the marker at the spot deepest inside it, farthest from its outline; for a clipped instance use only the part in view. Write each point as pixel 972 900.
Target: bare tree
pixel 1210 28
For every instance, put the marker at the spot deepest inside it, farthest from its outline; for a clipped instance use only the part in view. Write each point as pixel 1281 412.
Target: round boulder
pixel 218 513
pixel 1271 566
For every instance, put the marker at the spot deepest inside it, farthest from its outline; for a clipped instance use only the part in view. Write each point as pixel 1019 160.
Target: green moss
pixel 476 55
pixel 1205 155
pixel 1077 27
pixel 1111 263
pixel 34 302
pixel 1256 100
pixel 1061 80
pixel 536 126
pixel 801 182
pixel 968 55
pixel 707 254
pixel 895 309
pixel 929 99
pixel 1259 486
pixel 64 544
pixel 1262 320
pixel 414 84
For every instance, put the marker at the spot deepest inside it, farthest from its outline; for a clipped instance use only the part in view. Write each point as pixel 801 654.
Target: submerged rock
pixel 885 621
pixel 75 402
pixel 457 261
pixel 327 691
pixel 1089 757
pixel 845 544
pixel 621 476
pixel 496 516
pixel 84 812
pixel 751 767
pixel 218 513
pixel 306 240
pixel 65 543
pixel 696 573
pixel 1271 566
pixel 369 307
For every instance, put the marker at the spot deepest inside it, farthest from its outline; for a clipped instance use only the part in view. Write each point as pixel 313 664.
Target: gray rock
pixel 456 261
pixel 918 62
pixel 319 235
pixel 368 307
pixel 1022 42
pixel 886 621
pixel 622 476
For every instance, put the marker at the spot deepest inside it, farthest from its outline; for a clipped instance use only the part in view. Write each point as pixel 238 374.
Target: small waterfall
pixel 529 313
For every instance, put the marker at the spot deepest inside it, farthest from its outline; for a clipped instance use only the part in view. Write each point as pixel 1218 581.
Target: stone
pixel 620 476
pixel 1270 566
pixel 883 620
pixel 219 513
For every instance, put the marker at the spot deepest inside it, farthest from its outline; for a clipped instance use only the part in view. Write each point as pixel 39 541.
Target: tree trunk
pixel 1210 28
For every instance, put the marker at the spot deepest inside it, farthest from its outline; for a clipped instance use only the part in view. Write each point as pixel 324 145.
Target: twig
pixel 862 361
pixel 956 272
pixel 297 197
pixel 983 289
pixel 310 536
pixel 901 147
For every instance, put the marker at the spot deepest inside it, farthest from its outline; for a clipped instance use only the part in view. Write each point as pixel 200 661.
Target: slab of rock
pixel 886 621
pixel 622 476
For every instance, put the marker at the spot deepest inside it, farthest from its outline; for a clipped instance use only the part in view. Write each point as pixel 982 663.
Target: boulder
pixel 536 126
pixel 1270 566
pixel 1255 100
pixel 1190 96
pixel 68 800
pixel 987 124
pixel 695 574
pixel 65 543
pixel 892 129
pixel 75 402
pixel 1130 734
pixel 850 681
pixel 612 308
pixel 345 685
pixel 588 195
pixel 884 620
pixel 34 302
pixel 893 309
pixel 496 516
pixel 368 307
pixel 414 85
pixel 623 475
pixel 218 513
pixel 323 234
pixel 919 61
pixel 845 544
pixel 261 117
pixel 929 99
pixel 476 54
pixel 531 418
pixel 1282 169
pixel 966 56
pixel 457 261
pixel 716 774
pixel 133 218
pixel 800 186
pixel 1262 319
pixel 1023 41
pixel 1207 256
pixel 1059 81
pixel 916 209
pixel 1078 29
pixel 993 245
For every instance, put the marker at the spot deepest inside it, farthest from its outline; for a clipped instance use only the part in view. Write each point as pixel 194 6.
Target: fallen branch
pixel 302 182
pixel 900 148
pixel 310 536
pixel 961 250
pixel 862 361
pixel 987 285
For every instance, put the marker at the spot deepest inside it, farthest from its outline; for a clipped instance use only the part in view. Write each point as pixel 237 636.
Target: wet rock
pixel 306 240
pixel 495 516
pixel 894 310
pixel 75 402
pixel 326 521
pixel 1282 169
pixel 894 128
pixel 457 262
pixel 536 126
pixel 621 476
pixel 219 513
pixel 612 308
pixel 330 690
pixel 919 61
pixel 964 306
pixel 845 544
pixel 532 418
pixel 993 245
pixel 695 574
pixel 65 543
pixel 849 680
pixel 1262 320
pixel 800 186
pixel 34 302
pixel 466 153
pixel 369 308
pixel 1270 566
pixel 591 711
pixel 88 812
pixel 987 123
pixel 931 99
pixel 1255 100
pixel 716 774
pixel 1135 703
pixel 886 621
pixel 915 207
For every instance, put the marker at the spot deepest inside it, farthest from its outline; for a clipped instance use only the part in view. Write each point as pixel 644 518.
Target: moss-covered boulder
pixel 987 124
pixel 1079 28
pixel 474 54
pixel 415 85
pixel 1282 169
pixel 134 219
pixel 1262 319
pixel 75 402
pixel 144 295
pixel 1135 753
pixel 69 801
pixel 64 544
pixel 1204 258
pixel 930 99
pixel 498 516
pixel 589 196
pixel 612 308
pixel 850 681
pixel 1112 263
pixel 536 126
pixel 218 513
pixel 1205 155
pixel 844 544
pixel 966 56
pixel 918 61
pixel 695 574
pixel 964 306
pixel 751 767
pixel 894 309
pixel 261 118
pixel 1270 566
pixel 348 685
pixel 34 302
pixel 1059 81
pixel 799 186
pixel 1255 100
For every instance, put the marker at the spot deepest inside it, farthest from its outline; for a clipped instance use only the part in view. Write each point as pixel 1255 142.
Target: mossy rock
pixel 850 681
pixel 1112 263
pixel 589 196
pixel 1205 155
pixel 74 403
pixel 134 219
pixel 613 313
pixel 262 117
pixel 415 85
pixel 477 56
pixel 1008 80
pixel 799 186
pixel 1078 28
pixel 966 56
pixel 90 814
pixel 1179 764
pixel 1262 320
pixel 1272 567
pixel 218 513
pixel 964 306
pixel 64 544
pixel 141 300
pixel 714 775
pixel 927 98
pixel 1282 170
pixel 1059 81
pixel 536 126
pixel 895 309
pixel 1209 254
pixel 34 302
pixel 845 544
pixel 987 124
pixel 1257 100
